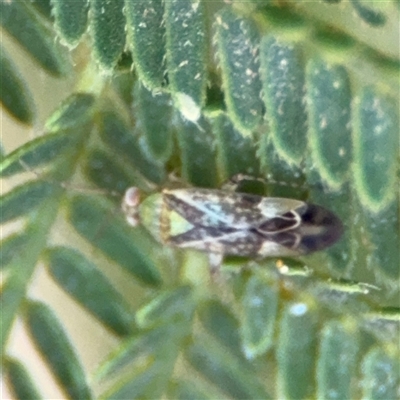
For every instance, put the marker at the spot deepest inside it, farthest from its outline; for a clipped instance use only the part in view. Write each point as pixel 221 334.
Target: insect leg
pixel 234 182
pixel 215 260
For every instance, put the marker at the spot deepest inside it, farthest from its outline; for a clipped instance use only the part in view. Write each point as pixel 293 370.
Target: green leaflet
pixel 19 380
pixel 188 389
pixel 20 21
pixel 236 154
pixel 329 106
pixel 384 238
pixel 126 246
pixel 145 28
pixel 381 378
pixel 197 152
pixel 44 7
pixel 296 352
pixel 54 346
pixel 186 55
pixel 336 362
pixel 282 76
pixel 119 136
pixel 237 43
pixel 376 149
pixel 146 344
pixel 89 287
pixel 384 324
pixel 107 27
pixel 70 19
pixel 76 110
pixel 153 113
pixel 14 93
pixel 219 322
pixel 370 15
pixel 259 312
pixel 25 198
pixel 171 306
pixel 145 363
pixel 105 172
pixel 43 150
pixel 144 382
pixel 225 371
pixel 10 248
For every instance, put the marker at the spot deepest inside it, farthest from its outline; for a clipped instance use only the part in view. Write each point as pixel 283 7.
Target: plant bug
pixel 221 222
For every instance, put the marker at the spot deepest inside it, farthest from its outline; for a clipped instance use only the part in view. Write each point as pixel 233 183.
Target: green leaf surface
pixel 149 382
pixel 186 55
pixel 105 172
pixel 224 370
pixel 296 352
pixel 370 15
pixel 75 110
pixel 376 149
pixel 336 362
pixel 128 247
pixel 107 27
pixel 282 76
pixel 167 307
pixel 19 381
pixel 37 152
pixel 20 20
pixel 10 248
pixel 384 236
pixel 329 106
pixel 44 7
pixel 89 287
pixel 183 390
pixel 145 28
pixel 197 152
pixel 219 322
pixel 70 19
pixel 116 133
pixel 153 113
pixel 25 198
pixel 53 344
pixel 237 42
pixel 236 154
pixel 14 93
pixel 381 379
pixel 259 312
pixel 145 345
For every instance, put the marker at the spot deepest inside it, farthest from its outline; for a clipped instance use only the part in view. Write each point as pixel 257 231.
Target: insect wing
pixel 240 211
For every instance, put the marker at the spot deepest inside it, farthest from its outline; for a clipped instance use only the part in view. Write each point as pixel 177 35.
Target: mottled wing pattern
pixel 249 225
pixel 220 209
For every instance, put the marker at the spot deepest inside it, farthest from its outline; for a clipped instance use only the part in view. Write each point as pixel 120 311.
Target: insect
pixel 221 223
